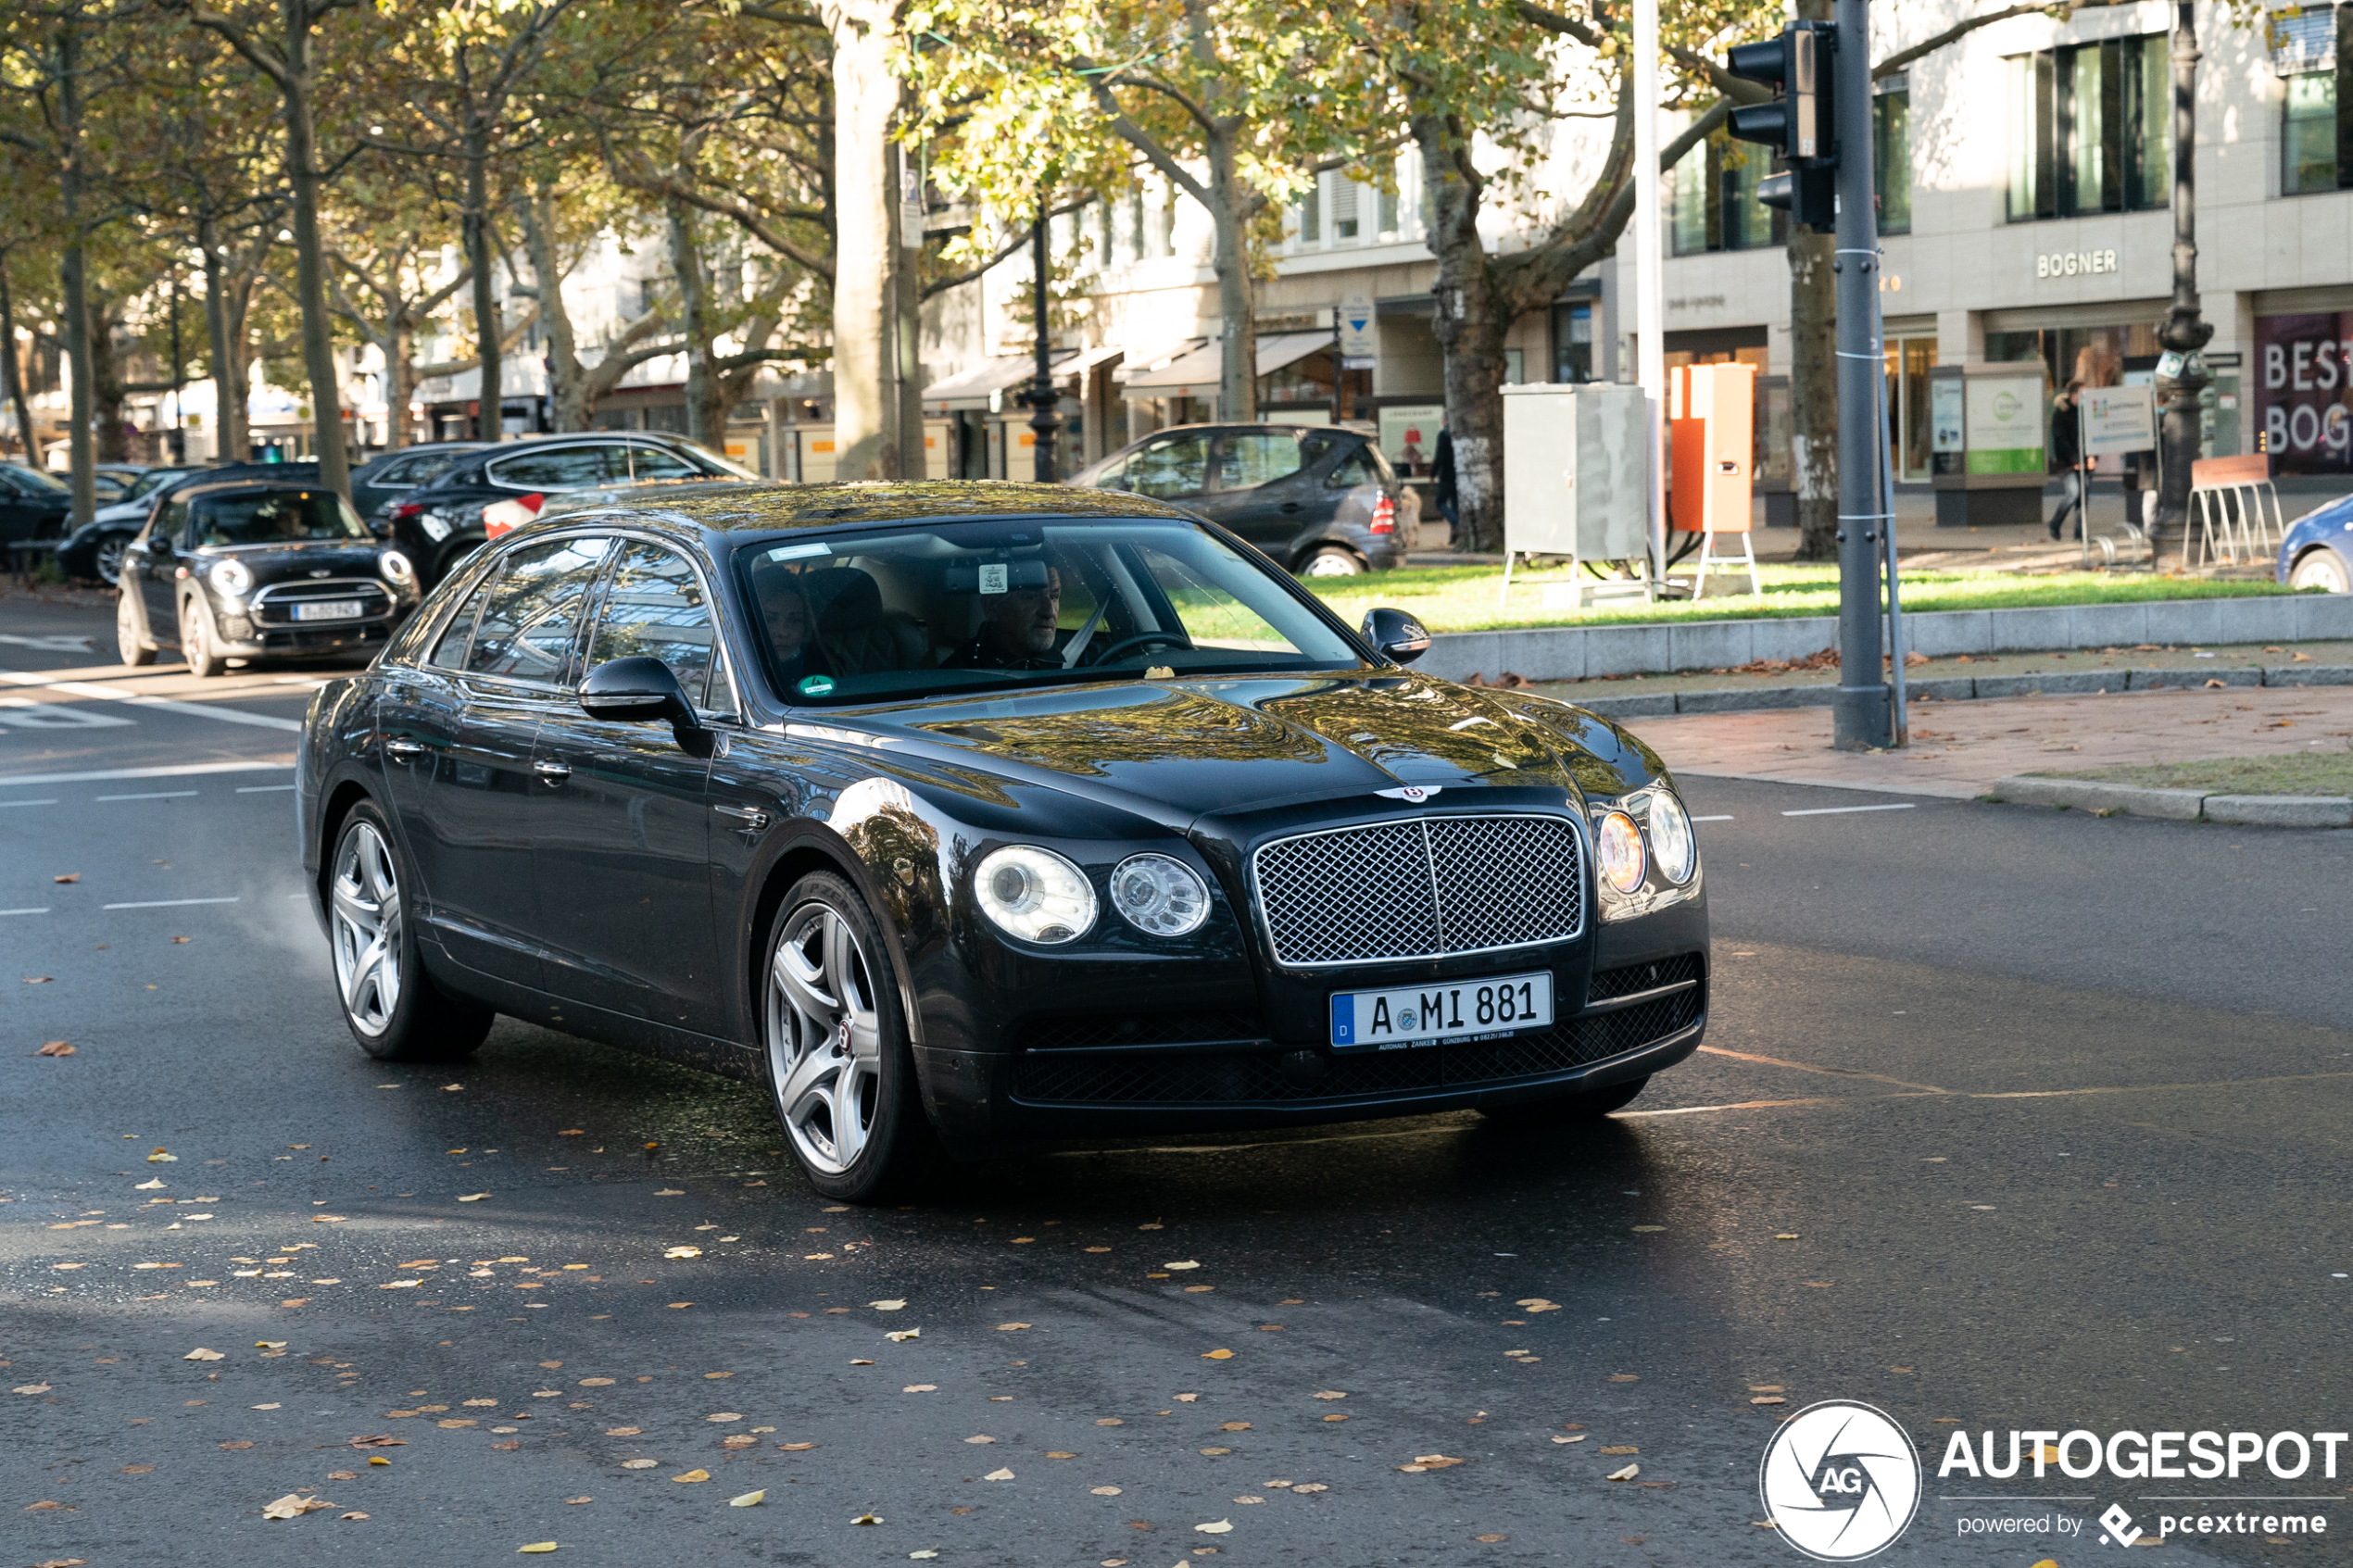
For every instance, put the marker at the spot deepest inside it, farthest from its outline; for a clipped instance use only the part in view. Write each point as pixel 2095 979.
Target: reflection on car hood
pixel 1253 742
pixel 123 511
pixel 329 558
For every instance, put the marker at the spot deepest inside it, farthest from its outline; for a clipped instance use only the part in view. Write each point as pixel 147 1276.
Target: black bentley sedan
pixel 254 570
pixel 960 814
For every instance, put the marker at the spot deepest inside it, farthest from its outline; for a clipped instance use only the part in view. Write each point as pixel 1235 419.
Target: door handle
pixel 403 750
pixel 554 773
pixel 751 817
pixel 1290 505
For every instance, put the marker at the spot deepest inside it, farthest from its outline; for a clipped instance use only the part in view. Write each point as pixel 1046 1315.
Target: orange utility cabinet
pixel 1711 412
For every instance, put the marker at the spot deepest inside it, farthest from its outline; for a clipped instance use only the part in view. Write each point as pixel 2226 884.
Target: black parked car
pixel 1321 501
pixel 242 569
pixel 33 509
pixel 95 548
pixel 959 814
pixel 484 495
pixel 382 481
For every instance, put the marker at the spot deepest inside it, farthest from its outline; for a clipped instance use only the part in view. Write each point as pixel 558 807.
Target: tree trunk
pixel 224 320
pixel 907 316
pixel 865 96
pixel 538 214
pixel 489 420
pixel 1236 304
pixel 310 270
pixel 1470 330
pixel 706 415
pixel 74 273
pixel 1813 383
pixel 111 431
pixel 400 380
pixel 13 369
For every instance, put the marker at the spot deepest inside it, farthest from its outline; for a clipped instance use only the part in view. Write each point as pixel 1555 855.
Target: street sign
pixel 2118 419
pixel 1356 337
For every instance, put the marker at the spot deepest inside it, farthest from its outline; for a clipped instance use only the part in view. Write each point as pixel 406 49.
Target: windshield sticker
pixel 794 552
pixel 816 685
pixel 992 577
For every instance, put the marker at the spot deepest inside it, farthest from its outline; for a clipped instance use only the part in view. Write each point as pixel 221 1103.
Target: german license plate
pixel 329 610
pixel 1455 1010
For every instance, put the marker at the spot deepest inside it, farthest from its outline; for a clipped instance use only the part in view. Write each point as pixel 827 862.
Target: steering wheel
pixel 1140 639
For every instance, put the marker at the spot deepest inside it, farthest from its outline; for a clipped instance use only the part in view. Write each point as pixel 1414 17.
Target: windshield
pixel 958 607
pixel 726 465
pixel 275 517
pixel 36 479
pixel 152 481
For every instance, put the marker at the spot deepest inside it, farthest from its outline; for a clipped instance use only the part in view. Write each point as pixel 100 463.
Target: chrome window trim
pixel 490 468
pixel 1579 831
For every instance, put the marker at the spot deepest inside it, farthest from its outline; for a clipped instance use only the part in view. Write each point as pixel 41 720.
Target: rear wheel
pixel 135 650
pixel 108 560
pixel 198 645
pixel 391 1005
pixel 1584 1105
pixel 2321 568
pixel 840 1071
pixel 1332 561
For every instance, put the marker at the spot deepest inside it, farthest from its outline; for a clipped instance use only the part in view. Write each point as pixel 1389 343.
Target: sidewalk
pixel 1959 749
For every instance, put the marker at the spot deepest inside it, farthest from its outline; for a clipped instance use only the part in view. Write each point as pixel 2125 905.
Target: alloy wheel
pixel 366 896
pixel 1332 563
pixel 2321 568
pixel 825 1039
pixel 109 562
pixel 126 635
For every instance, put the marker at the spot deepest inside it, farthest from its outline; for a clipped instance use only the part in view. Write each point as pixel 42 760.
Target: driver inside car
pixel 1017 630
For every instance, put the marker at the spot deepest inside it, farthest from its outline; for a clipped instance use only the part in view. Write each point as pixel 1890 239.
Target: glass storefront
pixel 1908 359
pixel 2303 385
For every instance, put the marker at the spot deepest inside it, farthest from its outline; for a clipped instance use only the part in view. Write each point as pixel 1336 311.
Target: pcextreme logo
pixel 1840 1480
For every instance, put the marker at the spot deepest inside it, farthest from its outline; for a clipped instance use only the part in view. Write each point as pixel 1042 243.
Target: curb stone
pixel 2179 805
pixel 1967 689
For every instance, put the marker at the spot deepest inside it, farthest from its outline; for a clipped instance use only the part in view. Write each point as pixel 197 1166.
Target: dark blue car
pixel 2317 551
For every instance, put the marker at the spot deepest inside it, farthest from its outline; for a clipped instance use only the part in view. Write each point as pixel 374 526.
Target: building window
pixel 1572 343
pixel 1891 154
pixel 1715 200
pixel 2312 51
pixel 1311 215
pixel 2090 128
pixel 1387 215
pixel 1343 208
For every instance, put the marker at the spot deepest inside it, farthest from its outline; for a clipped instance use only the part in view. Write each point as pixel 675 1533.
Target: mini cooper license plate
pixel 329 610
pixel 1455 1010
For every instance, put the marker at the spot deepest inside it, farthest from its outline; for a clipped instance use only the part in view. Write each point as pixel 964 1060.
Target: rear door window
pixel 1166 470
pixel 532 616
pixel 560 468
pixel 654 462
pixel 1247 459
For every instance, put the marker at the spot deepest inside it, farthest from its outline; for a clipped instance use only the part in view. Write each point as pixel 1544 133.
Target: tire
pixel 392 1007
pixel 841 1075
pixel 1331 561
pixel 198 647
pixel 1584 1105
pixel 135 650
pixel 107 560
pixel 2323 568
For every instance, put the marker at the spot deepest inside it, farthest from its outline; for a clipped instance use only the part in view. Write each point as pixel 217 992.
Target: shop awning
pixel 1201 368
pixel 993 375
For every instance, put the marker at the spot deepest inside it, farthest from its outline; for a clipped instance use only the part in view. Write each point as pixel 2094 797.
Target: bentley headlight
pixel 397 567
pixel 232 577
pixel 1671 838
pixel 1036 894
pixel 1619 844
pixel 1159 896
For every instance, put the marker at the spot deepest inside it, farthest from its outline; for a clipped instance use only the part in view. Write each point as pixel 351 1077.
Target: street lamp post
pixel 179 438
pixel 1042 417
pixel 2180 375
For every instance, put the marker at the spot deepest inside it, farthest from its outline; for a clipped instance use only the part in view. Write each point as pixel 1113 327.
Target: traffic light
pixel 1799 65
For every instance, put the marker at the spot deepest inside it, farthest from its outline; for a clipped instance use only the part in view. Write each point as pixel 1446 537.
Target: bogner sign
pixel 2073 263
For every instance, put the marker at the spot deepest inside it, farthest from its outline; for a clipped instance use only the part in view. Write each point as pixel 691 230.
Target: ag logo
pixel 1840 1480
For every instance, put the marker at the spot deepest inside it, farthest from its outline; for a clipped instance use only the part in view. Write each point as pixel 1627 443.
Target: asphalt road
pixel 2007 1119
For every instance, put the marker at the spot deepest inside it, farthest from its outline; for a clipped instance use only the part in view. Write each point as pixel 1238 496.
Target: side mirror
pixel 1396 634
pixel 628 689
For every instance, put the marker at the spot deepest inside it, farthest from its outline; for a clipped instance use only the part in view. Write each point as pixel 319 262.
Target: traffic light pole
pixel 1859 712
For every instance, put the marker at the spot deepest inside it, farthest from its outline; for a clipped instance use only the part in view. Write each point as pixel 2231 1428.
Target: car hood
pixel 1179 750
pixel 325 558
pixel 122 511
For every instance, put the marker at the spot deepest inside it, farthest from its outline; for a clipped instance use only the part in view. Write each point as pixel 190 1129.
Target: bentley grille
pixel 1425 887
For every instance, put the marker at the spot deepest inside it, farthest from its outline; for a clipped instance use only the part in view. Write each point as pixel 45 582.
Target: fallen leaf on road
pixel 867 1519
pixel 154 1185
pixel 683 1252
pixel 1186 1398
pixel 1429 1461
pixel 722 1415
pixel 1624 1377
pixel 998 1475
pixel 983 1438
pixel 201 1354
pixel 1218 1355
pixel 1189 1263
pixel 1008 1327
pixel 1331 1393
pixel 55 1047
pixel 622 1431
pixel 149 1470
pixel 293 1505
pixel 693 1475
pixel 30 1388
pixel 537 1547
pixel 1491 1539
pixel 750 1499
pixel 637 1463
pixel 1626 1474
pixel 796 1448
pixel 1104 1491
pixel 46 1504
pixel 161 1158
pixel 355 1513
pixel 1233 1426
pixel 577 1501
pixel 69 876
pixel 1215 1527
pixel 886 1306
pixel 477 1198
pixel 1579 1438
pixel 240 1443
pixel 1621 1448
pixel 1768 1399
pixel 378 1459
pixel 740 1440
pixel 672 1192
pixel 1106 1421
pixel 1649 1228
pixel 1310 1487
pixel 921 1388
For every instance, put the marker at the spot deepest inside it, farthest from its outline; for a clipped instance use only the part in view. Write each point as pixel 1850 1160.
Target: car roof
pixel 189 492
pixel 750 508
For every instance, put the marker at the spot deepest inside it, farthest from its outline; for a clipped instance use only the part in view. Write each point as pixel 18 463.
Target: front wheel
pixel 1583 1105
pixel 1332 561
pixel 391 1005
pixel 840 1073
pixel 135 650
pixel 198 647
pixel 2322 569
pixel 109 562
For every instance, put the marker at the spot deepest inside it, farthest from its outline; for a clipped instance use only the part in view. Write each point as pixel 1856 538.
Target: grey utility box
pixel 1575 471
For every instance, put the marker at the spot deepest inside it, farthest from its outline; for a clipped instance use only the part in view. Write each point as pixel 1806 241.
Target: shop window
pixel 1714 205
pixel 2090 128
pixel 2312 51
pixel 1891 154
pixel 1572 343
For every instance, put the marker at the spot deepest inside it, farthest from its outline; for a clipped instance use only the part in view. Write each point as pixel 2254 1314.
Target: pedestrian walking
pixel 1442 491
pixel 2067 457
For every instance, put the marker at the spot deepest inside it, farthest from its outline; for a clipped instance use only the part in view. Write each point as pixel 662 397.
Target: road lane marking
pixel 167 903
pixel 179 770
pixel 50 645
pixel 42 910
pixel 1842 811
pixel 260 789
pixel 51 801
pixel 1711 818
pixel 1829 1072
pixel 154 795
pixel 192 709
